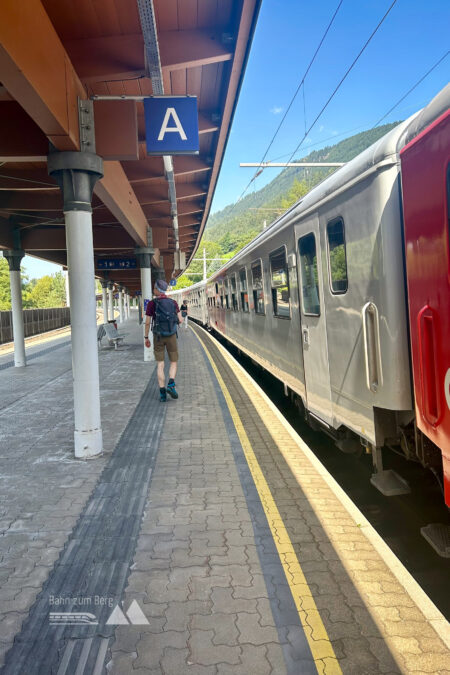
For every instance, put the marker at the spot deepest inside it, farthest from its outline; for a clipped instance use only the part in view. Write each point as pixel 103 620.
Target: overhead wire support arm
pixel 347 72
pixel 301 84
pixel 306 165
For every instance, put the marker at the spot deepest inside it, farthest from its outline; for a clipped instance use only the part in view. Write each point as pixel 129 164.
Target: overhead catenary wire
pixel 358 128
pixel 302 81
pixel 412 88
pixel 342 80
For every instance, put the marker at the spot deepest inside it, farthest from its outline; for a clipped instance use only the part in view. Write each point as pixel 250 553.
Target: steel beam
pixel 191 48
pixel 53 239
pixel 36 70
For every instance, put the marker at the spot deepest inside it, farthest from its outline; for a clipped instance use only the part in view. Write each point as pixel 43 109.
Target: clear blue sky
pixel 412 38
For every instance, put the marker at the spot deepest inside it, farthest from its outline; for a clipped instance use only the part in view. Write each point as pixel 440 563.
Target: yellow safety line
pixel 316 634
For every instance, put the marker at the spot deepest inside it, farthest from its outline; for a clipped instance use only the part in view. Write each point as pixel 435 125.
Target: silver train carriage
pixel 318 299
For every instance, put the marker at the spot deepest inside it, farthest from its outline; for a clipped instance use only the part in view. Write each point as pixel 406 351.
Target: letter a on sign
pixel 171 125
pixel 165 125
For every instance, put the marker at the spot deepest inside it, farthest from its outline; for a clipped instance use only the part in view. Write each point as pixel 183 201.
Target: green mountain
pixel 237 224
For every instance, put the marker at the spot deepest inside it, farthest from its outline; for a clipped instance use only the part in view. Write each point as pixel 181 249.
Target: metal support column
pixel 121 312
pixel 104 284
pixel 76 174
pixel 14 258
pixel 161 272
pixel 110 300
pixel 144 256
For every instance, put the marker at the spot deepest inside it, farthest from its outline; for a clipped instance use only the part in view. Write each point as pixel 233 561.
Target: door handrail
pixel 428 360
pixel 372 349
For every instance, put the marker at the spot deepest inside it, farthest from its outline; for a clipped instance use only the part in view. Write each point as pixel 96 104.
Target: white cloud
pixel 321 128
pixel 276 110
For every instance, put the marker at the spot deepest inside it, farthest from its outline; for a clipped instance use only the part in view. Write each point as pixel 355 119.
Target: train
pixel 345 299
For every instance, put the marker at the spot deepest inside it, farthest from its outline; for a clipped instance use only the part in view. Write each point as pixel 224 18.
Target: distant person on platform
pixel 165 317
pixel 184 313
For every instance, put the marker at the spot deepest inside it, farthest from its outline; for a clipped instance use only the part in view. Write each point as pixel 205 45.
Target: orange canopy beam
pixel 36 70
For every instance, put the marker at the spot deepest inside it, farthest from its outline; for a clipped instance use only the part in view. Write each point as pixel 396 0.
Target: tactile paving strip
pixel 95 562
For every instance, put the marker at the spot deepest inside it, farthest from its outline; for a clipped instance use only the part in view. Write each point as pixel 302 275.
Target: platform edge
pixel 431 613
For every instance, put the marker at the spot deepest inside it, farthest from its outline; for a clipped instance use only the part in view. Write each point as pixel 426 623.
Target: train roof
pixel 384 151
pixel 437 107
pixel 197 286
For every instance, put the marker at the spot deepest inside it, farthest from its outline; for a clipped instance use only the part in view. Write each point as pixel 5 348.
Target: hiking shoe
pixel 171 390
pixel 162 396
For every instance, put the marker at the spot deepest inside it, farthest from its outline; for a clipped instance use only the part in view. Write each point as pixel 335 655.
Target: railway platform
pixel 207 539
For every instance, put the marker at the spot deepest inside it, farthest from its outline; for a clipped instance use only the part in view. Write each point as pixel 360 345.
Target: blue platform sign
pixel 117 264
pixel 173 282
pixel 171 125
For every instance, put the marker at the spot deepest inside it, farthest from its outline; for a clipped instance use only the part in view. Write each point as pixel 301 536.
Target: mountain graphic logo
pixel 134 616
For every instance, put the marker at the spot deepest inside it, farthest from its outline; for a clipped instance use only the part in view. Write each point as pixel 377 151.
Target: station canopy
pixel 54 53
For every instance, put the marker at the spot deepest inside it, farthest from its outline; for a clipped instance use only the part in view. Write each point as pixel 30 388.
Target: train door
pixel 313 321
pixel 425 165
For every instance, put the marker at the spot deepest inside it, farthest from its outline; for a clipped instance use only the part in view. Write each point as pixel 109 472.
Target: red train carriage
pixel 426 193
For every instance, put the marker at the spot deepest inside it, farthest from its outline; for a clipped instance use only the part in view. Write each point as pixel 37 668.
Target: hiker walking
pixel 184 314
pixel 165 316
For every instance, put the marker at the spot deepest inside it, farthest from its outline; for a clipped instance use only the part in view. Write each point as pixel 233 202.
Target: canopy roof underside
pixel 53 52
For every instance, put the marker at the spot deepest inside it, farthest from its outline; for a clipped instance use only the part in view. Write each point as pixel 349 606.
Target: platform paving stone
pixel 205 571
pixel 209 579
pixel 362 605
pixel 43 488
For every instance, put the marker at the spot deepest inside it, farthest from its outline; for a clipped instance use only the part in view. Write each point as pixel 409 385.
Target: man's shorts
pixel 161 343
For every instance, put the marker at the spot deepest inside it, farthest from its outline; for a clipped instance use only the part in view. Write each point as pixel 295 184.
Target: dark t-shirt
pixel 150 311
pixel 183 307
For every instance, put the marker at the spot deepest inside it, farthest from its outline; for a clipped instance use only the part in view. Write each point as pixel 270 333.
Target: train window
pixel 310 275
pixel 337 259
pixel 280 284
pixel 258 289
pixel 219 287
pixel 234 301
pixel 243 288
pixel 227 300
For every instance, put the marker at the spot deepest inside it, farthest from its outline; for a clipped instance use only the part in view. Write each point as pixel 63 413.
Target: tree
pixel 296 192
pixel 5 290
pixel 48 291
pixel 194 272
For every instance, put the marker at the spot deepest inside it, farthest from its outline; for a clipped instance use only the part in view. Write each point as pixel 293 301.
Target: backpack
pixel 165 321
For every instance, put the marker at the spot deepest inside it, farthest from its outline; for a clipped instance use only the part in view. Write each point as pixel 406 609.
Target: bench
pixel 107 330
